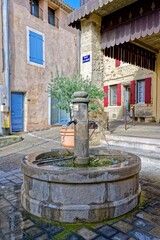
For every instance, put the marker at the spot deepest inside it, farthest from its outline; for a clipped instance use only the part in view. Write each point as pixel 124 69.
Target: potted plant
pixel 62 88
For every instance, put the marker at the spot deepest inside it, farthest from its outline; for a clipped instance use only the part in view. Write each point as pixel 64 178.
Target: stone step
pixel 145 140
pixel 146 155
pixel 150 144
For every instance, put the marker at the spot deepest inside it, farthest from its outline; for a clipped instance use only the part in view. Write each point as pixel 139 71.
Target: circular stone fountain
pixel 87 185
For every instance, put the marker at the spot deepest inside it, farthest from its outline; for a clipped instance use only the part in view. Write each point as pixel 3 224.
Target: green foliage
pixel 63 87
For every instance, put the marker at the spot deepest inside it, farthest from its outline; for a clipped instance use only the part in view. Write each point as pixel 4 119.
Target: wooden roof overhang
pixel 130 30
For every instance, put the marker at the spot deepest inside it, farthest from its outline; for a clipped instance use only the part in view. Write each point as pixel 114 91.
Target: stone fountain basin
pixel 91 194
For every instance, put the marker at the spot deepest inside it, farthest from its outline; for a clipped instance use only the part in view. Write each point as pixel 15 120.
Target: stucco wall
pixel 60 54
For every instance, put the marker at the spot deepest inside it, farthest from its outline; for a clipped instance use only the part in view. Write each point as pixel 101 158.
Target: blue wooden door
pixel 58 116
pixel 17 111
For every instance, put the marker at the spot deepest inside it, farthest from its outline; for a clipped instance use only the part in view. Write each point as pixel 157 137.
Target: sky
pixel 73 3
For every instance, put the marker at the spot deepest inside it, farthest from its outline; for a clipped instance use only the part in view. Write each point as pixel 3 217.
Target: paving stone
pixel 10 196
pixel 155 232
pixel 86 233
pixel 6 183
pixel 46 226
pixel 107 231
pixel 130 219
pixel 11 177
pixel 16 218
pixel 10 184
pixel 55 231
pixel 34 232
pixel 154 202
pixel 43 237
pixel 8 210
pixel 17 181
pixel 5 226
pixel 149 217
pixel 101 238
pixel 120 236
pixel 122 226
pixel 74 237
pixel 145 225
pixel 141 235
pixel 26 224
pixel 153 210
pixel 16 233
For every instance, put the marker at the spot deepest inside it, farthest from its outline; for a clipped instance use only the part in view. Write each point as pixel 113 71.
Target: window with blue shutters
pixel 35 48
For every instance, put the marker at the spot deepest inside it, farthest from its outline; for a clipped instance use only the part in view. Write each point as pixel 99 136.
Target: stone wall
pixel 124 74
pixel 90 46
pixel 60 55
pixel 103 72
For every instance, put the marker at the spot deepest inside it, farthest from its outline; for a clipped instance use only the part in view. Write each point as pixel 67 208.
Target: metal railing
pixel 126 115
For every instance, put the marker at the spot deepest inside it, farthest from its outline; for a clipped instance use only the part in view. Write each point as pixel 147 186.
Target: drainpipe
pixel 5 108
pixel 79 51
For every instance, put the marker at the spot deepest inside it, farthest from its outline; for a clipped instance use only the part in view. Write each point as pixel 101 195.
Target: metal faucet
pixel 73 121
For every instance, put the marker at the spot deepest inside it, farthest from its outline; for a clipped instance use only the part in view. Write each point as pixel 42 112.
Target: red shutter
pixel 117 63
pixel 119 94
pixel 106 96
pixel 148 90
pixel 132 92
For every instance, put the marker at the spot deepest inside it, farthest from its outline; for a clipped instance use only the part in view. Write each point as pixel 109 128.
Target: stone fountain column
pixel 81 140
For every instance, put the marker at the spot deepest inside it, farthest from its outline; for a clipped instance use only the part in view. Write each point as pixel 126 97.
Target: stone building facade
pixel 125 85
pixel 41 45
pixel 120 74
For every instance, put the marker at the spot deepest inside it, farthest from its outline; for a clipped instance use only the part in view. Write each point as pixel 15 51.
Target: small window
pixel 35 51
pixel 141 91
pixel 35 10
pixel 113 95
pixel 51 16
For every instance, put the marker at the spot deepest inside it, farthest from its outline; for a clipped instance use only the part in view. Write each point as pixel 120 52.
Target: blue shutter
pixel 36 47
pixel 39 49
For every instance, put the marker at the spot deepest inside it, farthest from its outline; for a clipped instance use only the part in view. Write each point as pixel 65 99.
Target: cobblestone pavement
pixel 16 224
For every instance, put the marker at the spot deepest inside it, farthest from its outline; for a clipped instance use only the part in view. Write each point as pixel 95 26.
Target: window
pixel 141 91
pixel 35 48
pixel 34 4
pixel 120 63
pixel 113 95
pixel 51 16
pixel 35 10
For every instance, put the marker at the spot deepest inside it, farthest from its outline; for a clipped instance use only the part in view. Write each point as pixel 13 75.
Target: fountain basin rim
pixel 78 175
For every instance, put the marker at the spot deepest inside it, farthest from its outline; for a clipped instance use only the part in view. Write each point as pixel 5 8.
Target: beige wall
pixel 60 54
